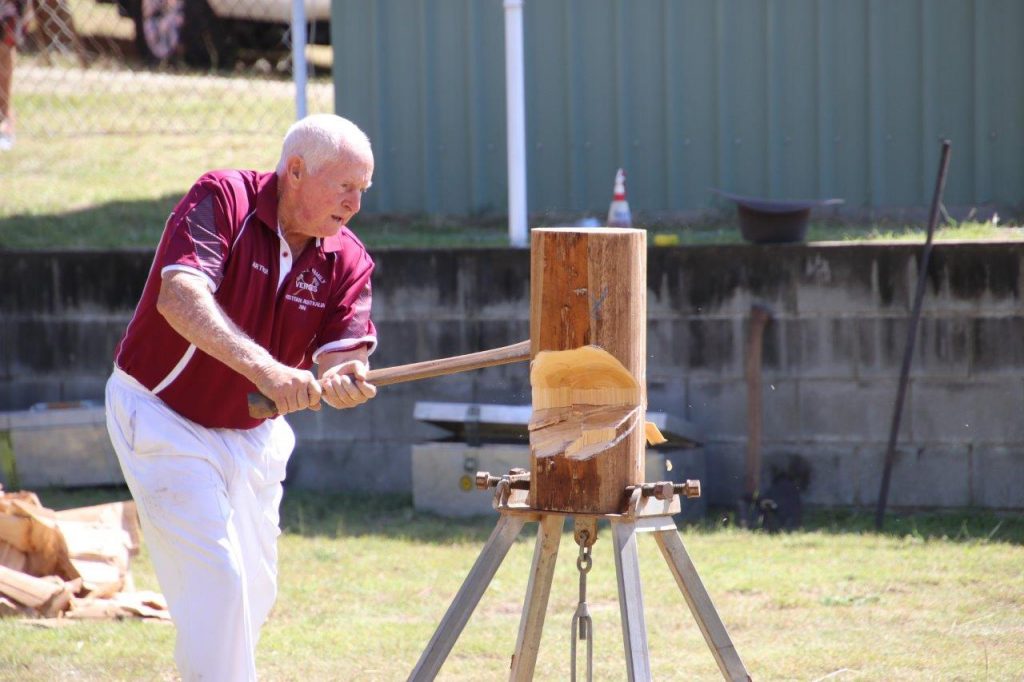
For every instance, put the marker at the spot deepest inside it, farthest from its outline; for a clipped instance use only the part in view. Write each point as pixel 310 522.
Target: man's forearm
pixel 190 309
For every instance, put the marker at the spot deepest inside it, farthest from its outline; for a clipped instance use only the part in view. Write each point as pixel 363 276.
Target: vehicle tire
pixel 208 42
pixel 269 38
pixel 159 25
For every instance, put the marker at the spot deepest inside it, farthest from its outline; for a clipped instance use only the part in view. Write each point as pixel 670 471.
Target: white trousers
pixel 208 500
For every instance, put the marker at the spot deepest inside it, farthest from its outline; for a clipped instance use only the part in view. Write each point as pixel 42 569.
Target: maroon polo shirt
pixel 225 230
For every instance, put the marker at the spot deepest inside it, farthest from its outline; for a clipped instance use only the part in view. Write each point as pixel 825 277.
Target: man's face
pixel 318 205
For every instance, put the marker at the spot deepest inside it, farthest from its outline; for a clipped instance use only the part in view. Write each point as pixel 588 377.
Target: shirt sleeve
pixel 198 236
pixel 351 327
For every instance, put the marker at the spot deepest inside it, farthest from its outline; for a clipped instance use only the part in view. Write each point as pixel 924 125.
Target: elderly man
pixel 255 279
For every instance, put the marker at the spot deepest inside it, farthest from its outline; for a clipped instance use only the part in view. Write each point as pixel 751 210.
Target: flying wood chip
pixel 653 434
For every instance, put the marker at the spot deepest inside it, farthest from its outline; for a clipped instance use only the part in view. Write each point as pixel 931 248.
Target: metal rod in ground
pixel 908 354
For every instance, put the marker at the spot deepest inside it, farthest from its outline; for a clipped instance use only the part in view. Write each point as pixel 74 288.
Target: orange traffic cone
pixel 618 212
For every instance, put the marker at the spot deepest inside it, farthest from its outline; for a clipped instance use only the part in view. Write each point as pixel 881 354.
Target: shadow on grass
pixel 335 515
pixel 967 525
pixel 313 514
pixel 110 225
pixel 139 223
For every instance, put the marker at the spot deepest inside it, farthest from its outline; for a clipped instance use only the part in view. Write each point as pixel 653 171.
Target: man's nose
pixel 352 201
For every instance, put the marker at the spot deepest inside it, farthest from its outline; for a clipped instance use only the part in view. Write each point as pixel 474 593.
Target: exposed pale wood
pixel 12 557
pixel 153 600
pixel 101 577
pixel 111 515
pixel 588 287
pixel 16 531
pixel 7 499
pixel 123 605
pixel 84 551
pixel 583 431
pixel 9 608
pixel 96 609
pixel 584 402
pixel 653 434
pixel 101 541
pixel 48 597
pixel 581 376
pixel 538 590
pixel 31 529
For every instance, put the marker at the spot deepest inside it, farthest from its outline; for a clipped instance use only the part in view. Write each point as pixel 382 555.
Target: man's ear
pixel 296 167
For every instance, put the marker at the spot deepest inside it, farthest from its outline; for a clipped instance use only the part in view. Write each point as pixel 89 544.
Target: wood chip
pixel 653 434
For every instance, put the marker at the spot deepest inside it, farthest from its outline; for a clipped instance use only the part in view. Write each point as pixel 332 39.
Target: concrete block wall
pixel 832 357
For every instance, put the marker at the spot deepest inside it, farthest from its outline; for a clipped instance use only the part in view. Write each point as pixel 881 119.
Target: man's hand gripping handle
pixel 262 407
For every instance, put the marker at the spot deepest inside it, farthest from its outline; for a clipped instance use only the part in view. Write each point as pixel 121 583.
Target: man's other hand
pixel 345 385
pixel 291 389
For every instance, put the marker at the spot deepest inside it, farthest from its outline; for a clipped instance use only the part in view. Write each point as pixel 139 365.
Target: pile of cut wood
pixel 72 563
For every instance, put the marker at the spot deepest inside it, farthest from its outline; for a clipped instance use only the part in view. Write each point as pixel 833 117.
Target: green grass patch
pixel 366 579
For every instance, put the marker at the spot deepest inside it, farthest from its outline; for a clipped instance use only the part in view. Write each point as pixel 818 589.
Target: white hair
pixel 321 138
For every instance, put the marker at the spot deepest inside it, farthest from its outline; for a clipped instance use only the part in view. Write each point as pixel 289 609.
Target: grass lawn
pixel 365 581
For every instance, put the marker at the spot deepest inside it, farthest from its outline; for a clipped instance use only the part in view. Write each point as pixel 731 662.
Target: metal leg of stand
pixel 469 594
pixel 631 602
pixel 531 623
pixel 701 607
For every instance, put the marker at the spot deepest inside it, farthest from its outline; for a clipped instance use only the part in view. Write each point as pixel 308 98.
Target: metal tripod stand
pixel 650 509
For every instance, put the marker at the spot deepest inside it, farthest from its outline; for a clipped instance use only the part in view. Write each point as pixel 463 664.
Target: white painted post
pixel 515 100
pixel 299 67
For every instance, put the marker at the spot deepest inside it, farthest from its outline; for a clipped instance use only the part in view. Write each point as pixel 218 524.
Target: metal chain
pixel 582 624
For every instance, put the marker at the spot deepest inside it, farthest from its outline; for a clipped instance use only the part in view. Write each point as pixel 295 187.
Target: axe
pixel 262 407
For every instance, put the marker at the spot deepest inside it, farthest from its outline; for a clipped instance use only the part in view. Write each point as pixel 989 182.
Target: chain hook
pixel 582 623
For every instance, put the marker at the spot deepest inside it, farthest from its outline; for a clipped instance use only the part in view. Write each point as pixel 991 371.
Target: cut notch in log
pixel 584 402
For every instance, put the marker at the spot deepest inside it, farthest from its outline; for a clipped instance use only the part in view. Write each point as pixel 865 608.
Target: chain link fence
pixel 163 66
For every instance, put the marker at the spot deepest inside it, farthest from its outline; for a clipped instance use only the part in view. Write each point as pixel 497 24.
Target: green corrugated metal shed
pixel 774 98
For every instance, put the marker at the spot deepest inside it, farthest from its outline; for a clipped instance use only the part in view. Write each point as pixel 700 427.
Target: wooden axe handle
pixel 262 407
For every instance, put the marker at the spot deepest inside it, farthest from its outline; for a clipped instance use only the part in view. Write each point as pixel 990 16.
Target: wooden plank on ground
pixel 12 557
pixel 47 596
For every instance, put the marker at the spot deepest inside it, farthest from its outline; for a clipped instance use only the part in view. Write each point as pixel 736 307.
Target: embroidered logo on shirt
pixel 261 267
pixel 308 281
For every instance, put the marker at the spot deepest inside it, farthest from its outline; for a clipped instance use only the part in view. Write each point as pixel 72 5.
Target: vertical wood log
pixel 589 286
